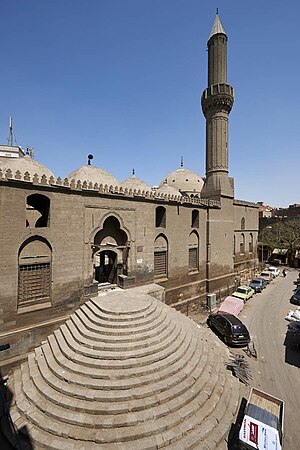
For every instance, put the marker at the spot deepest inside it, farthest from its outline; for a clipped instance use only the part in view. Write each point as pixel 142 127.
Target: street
pixel 276 369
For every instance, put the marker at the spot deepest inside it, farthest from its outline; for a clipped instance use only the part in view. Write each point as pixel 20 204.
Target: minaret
pixel 217 101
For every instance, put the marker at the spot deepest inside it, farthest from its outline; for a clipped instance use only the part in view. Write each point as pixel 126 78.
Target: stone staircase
pixel 125 372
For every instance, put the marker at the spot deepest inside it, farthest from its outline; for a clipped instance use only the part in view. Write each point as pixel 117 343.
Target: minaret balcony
pixel 217 95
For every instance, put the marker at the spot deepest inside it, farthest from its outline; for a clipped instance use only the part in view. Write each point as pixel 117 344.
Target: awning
pixel 232 305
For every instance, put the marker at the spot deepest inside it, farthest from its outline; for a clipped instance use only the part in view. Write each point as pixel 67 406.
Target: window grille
pixel 193 258
pixel 34 282
pixel 160 263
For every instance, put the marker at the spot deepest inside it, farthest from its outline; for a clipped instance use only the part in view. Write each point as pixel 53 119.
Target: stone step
pixel 104 371
pixel 195 353
pixel 162 413
pixel 205 431
pixel 91 331
pixel 121 317
pixel 93 324
pixel 126 351
pixel 164 391
pixel 135 323
pixel 85 339
pixel 106 361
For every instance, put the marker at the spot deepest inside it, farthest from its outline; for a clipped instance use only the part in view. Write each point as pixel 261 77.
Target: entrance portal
pixel 106 271
pixel 110 252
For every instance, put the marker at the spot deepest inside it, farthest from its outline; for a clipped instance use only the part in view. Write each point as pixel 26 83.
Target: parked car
pixel 232 330
pixel 257 284
pixel 296 296
pixel 267 276
pixel 243 292
pixel 274 270
pixel 265 283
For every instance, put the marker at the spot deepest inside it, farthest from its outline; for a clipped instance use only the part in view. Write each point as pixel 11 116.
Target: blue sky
pixel 122 79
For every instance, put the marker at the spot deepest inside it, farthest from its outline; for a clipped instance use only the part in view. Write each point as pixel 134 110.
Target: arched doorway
pixel 110 252
pixel 106 266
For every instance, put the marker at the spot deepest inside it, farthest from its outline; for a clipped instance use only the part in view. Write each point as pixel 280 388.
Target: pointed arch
pixel 34 271
pixel 193 251
pixel 161 256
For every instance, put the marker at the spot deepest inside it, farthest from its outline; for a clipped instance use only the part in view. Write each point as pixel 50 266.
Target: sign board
pixel 257 435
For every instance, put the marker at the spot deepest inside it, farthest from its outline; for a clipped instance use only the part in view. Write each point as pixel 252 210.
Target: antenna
pixel 90 157
pixel 11 138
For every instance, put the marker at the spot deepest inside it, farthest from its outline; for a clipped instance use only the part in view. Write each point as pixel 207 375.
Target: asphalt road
pixel 277 368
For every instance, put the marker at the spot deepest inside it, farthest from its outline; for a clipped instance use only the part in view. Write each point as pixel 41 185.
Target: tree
pixel 283 234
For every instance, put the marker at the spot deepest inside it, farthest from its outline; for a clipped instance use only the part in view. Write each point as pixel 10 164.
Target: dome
pixel 168 190
pixel 93 174
pixel 184 180
pixel 24 164
pixel 125 371
pixel 135 183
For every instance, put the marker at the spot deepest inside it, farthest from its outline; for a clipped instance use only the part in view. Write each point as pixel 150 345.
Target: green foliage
pixel 282 234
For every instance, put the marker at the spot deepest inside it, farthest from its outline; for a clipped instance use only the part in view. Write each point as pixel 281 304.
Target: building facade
pixel 63 238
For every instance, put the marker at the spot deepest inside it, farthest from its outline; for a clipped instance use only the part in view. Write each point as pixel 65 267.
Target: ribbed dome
pixel 25 164
pixel 126 372
pixel 93 174
pixel 135 183
pixel 168 190
pixel 184 180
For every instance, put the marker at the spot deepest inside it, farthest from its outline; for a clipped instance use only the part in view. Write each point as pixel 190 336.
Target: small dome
pixel 93 174
pixel 135 183
pixel 24 164
pixel 184 180
pixel 169 190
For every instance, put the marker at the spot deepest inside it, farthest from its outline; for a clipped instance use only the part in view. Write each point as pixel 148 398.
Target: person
pixel 284 272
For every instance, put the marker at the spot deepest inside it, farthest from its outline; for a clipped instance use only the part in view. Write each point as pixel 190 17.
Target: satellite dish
pixel 90 157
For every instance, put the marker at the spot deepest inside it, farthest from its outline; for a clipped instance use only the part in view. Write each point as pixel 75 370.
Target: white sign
pixel 139 261
pixel 259 435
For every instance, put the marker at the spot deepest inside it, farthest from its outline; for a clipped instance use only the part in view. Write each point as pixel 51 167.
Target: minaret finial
pixel 133 172
pixel 90 157
pixel 181 161
pixel 217 11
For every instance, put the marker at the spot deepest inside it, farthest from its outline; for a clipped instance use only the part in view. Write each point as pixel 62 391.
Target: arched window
pixel 243 223
pixel 37 211
pixel 251 243
pixel 195 219
pixel 161 257
pixel 160 217
pixel 34 283
pixel 193 251
pixel 242 244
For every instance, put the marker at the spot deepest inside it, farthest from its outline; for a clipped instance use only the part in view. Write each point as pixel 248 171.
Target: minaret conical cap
pixel 217 27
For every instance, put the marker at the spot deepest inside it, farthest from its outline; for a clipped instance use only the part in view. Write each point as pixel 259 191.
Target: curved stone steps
pixel 92 325
pixel 107 314
pixel 162 414
pixel 65 360
pixel 123 390
pixel 98 333
pixel 195 354
pixel 112 361
pixel 83 337
pixel 87 348
pixel 68 396
pixel 104 322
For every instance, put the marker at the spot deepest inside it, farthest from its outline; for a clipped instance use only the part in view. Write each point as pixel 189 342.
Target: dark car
pixel 257 284
pixel 296 296
pixel 232 330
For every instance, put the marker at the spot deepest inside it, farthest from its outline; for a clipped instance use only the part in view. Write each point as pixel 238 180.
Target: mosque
pixel 64 239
